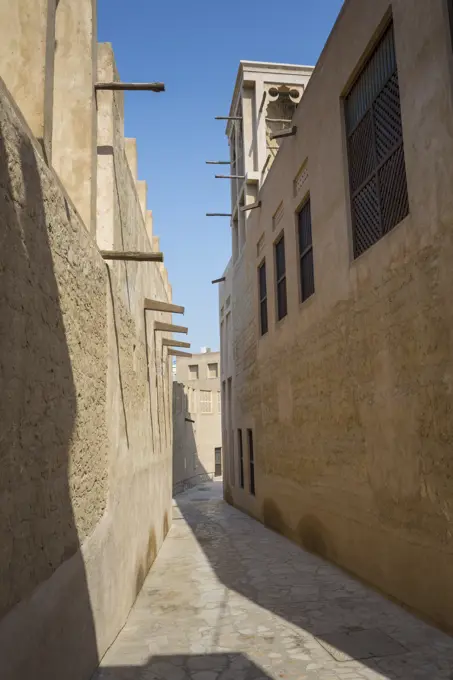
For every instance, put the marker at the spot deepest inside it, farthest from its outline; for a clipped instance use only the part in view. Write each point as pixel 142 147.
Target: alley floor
pixel 228 599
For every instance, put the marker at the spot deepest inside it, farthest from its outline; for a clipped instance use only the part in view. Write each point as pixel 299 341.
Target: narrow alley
pixel 228 599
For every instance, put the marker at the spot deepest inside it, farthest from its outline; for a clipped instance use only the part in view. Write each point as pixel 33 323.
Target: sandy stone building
pixel 336 316
pixel 86 436
pixel 197 435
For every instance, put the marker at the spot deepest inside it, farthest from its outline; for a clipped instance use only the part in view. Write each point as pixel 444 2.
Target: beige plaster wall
pixel 350 396
pixel 85 494
pixel 74 104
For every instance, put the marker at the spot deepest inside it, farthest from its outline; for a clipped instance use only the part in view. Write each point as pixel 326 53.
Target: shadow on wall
pixel 231 666
pixel 188 470
pixel 299 587
pixel 37 414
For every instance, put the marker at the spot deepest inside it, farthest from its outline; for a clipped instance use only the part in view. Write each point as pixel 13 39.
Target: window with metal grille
pixel 241 459
pixel 307 277
pixel 263 297
pixel 205 401
pixel 251 462
pixel 377 172
pixel 280 278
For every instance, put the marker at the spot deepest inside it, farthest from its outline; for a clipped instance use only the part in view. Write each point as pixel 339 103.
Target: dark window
pixel 251 462
pixel 241 459
pixel 307 278
pixel 263 297
pixel 377 172
pixel 280 276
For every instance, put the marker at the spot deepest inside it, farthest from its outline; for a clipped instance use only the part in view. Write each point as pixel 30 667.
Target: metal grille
pixel 307 279
pixel 377 170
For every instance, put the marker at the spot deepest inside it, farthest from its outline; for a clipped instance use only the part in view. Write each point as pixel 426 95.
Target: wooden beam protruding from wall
pixel 177 353
pixel 168 342
pixel 160 306
pixel 132 256
pixel 170 327
pixel 136 87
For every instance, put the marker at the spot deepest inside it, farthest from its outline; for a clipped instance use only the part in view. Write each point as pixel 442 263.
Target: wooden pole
pixel 160 306
pixel 168 342
pixel 218 162
pixel 169 327
pixel 219 280
pixel 219 214
pixel 132 256
pixel 228 117
pixel 230 176
pixel 136 87
pixel 177 353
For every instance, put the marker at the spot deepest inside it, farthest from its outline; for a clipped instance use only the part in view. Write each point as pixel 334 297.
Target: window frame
pixel 213 377
pixel 251 449
pixel 282 279
pixel 241 459
pixel 301 254
pixel 374 174
pixel 204 403
pixel 198 371
pixel 262 300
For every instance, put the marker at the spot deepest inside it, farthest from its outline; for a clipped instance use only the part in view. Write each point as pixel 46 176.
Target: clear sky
pixel 194 47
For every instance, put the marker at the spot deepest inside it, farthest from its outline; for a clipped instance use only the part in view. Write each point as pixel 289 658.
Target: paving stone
pixel 227 599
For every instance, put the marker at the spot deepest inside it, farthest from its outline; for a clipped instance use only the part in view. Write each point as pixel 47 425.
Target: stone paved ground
pixel 227 599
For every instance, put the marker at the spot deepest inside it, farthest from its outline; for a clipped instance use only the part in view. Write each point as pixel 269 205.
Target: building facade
pixel 336 318
pixel 86 436
pixel 197 436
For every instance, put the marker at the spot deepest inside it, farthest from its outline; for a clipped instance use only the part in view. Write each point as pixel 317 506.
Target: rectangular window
pixel 377 172
pixel 307 278
pixel 262 285
pixel 213 370
pixel 205 401
pixel 219 402
pixel 193 372
pixel 241 459
pixel 280 278
pixel 251 462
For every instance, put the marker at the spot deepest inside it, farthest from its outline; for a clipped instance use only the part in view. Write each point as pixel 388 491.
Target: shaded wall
pixel 85 446
pixel 350 395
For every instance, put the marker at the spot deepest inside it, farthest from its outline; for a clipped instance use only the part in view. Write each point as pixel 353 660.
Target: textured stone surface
pixel 227 599
pixel 350 395
pixel 85 442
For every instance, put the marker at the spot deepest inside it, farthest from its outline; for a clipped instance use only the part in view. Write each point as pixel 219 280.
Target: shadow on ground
pixel 350 621
pixel 188 667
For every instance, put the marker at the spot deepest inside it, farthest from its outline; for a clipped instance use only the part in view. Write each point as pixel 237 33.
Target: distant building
pixel 197 437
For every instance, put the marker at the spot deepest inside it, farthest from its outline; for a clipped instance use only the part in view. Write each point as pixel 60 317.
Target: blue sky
pixel 195 48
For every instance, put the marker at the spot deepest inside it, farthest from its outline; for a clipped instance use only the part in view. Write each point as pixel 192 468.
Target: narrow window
pixel 307 278
pixel 213 371
pixel 205 401
pixel 251 462
pixel 262 285
pixel 377 172
pixel 219 402
pixel 280 277
pixel 193 372
pixel 241 459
